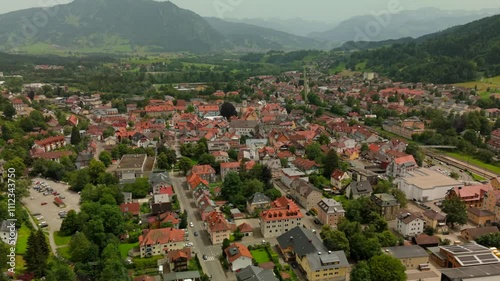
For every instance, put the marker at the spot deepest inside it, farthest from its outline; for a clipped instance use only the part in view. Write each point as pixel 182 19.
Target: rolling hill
pixel 458 54
pixel 411 23
pixel 131 25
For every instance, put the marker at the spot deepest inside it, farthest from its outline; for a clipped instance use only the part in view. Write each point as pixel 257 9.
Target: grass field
pixel 64 252
pixel 61 240
pixel 477 177
pixel 124 248
pixel 20 263
pixel 260 255
pixel 492 168
pixel 22 239
pixel 483 84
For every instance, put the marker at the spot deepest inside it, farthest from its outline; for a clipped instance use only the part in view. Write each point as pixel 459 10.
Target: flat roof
pixel 132 162
pixel 428 179
pixel 402 252
pixel 293 172
pixel 468 273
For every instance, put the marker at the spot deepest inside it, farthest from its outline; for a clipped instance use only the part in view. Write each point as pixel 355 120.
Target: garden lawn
pixel 260 255
pixel 22 239
pixel 64 252
pixel 61 240
pixel 124 248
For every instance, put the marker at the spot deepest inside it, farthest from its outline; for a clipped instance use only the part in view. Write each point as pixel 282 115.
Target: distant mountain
pixel 130 25
pixel 247 37
pixel 295 26
pixel 457 54
pixel 414 23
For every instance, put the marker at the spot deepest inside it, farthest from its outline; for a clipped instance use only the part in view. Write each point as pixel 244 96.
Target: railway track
pixel 455 163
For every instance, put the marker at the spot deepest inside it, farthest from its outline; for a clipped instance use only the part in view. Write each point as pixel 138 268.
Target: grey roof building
pixel 479 272
pixel 258 201
pixel 181 276
pixel 358 189
pixel 254 273
pixel 405 252
pixel 302 245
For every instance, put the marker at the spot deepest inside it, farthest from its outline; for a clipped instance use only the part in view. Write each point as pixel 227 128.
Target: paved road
pixel 202 245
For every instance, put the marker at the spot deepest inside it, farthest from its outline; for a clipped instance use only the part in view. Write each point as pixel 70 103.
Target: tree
pixel 429 230
pixel 417 153
pixel 273 193
pixel 385 267
pixel 489 240
pixel 361 272
pixel 228 110
pixel 139 188
pixel 323 139
pixel 252 186
pixel 75 136
pixel 114 267
pixel 59 271
pixel 37 253
pixel 231 186
pixel 105 158
pixel 17 165
pixel 225 243
pixel 70 225
pixel 335 240
pixel 456 211
pixel 163 161
pixel 185 165
pixel 400 196
pixel 364 147
pixel 314 152
pixel 331 162
pixel 184 218
pixel 9 111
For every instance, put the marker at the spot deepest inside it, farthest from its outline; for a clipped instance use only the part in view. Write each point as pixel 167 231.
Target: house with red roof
pixel 154 242
pixel 337 177
pixel 245 229
pixel 227 167
pixel 131 208
pixel 209 110
pixel 178 260
pixel 305 165
pixel 399 166
pixel 238 256
pixel 218 227
pixel 221 156
pixel 49 144
pixel 205 172
pixel 283 215
pixel 194 182
pixel 164 218
pixel 471 195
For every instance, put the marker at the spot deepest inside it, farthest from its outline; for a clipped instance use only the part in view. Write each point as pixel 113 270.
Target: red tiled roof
pixel 177 254
pixel 304 164
pixel 405 159
pixel 50 140
pixel 133 208
pixel 229 165
pixel 203 169
pixel 166 190
pixel 281 208
pixel 337 174
pixel 245 227
pixel 242 251
pixel 161 236
pixel 217 222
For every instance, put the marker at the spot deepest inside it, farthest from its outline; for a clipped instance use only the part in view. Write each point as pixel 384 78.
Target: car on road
pixel 205 257
pixel 55 193
pixel 43 225
pixel 294 264
pixel 36 214
pixel 191 224
pixel 195 233
pixel 190 244
pixel 62 197
pixel 39 218
pixel 43 203
pixel 316 221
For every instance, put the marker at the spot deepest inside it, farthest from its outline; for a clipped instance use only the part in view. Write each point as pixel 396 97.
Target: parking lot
pixel 50 211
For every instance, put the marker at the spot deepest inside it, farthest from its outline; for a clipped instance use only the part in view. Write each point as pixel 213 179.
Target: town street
pixel 201 243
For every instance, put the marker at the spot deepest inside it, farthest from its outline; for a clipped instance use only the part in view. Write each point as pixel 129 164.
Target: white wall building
pixel 409 225
pixel 426 185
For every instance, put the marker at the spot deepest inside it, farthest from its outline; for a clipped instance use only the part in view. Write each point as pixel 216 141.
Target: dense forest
pixel 455 55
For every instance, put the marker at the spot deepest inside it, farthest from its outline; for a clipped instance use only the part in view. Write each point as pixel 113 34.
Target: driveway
pixel 50 211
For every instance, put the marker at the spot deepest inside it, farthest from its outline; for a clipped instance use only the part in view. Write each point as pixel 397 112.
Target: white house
pixel 408 224
pixel 238 256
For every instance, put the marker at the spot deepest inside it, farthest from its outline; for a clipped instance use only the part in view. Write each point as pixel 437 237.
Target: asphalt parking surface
pixel 50 211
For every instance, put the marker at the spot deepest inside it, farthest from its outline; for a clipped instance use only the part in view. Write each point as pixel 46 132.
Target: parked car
pixel 191 224
pixel 294 264
pixel 195 233
pixel 43 225
pixel 205 257
pixel 62 197
pixel 36 214
pixel 43 203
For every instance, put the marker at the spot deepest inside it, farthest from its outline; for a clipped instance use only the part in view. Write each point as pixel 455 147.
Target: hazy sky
pixel 323 10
